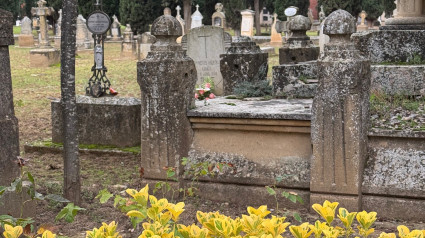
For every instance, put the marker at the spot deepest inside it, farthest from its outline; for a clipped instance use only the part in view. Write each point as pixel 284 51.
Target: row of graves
pixel 318 142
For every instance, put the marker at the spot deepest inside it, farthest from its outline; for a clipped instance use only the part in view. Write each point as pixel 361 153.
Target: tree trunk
pixel 72 186
pixel 187 9
pixel 257 17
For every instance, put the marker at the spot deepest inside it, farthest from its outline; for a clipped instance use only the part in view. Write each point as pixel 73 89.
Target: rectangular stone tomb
pixel 102 121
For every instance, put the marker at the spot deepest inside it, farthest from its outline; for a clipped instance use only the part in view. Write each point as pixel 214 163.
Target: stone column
pixel 167 80
pixel 58 30
pixel 410 16
pixel 9 132
pixel 340 119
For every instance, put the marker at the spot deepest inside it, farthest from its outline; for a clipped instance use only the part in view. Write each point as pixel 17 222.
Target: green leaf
pixel 292 198
pixel 170 173
pixel 6 219
pixel 56 198
pixel 300 200
pixel 104 195
pixel 31 178
pixel 297 217
pixel 2 190
pixel 39 196
pixel 184 161
pixel 279 179
pixel 285 194
pixel 271 191
pixel 13 186
pixel 24 221
pixel 68 213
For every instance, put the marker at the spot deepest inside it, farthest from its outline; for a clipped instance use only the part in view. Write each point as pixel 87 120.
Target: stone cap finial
pixel 219 7
pixel 339 22
pixel 166 25
pixel 167 11
pixel 6 28
pixel 41 3
pixel 299 23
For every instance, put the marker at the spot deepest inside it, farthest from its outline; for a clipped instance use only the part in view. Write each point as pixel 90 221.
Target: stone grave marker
pixel 9 132
pixel 196 18
pixel 83 38
pixel 58 30
pixel 247 26
pixel 128 46
pixel 26 38
pixel 45 55
pixel 115 29
pixel 410 16
pixel 204 45
pixel 219 18
pixel 276 38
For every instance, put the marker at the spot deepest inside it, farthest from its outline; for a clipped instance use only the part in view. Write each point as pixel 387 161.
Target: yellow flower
pixel 12 232
pixel 261 211
pixel 327 211
pixel 317 228
pixel 404 232
pixel 48 234
pixel 275 226
pixel 301 231
pixel 331 232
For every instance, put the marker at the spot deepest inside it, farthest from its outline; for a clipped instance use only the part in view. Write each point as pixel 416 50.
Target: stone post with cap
pixel 167 78
pixel 9 131
pixel 340 117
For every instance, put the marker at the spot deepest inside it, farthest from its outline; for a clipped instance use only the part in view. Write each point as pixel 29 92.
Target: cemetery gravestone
pixel 243 62
pixel 362 26
pixel 45 55
pixel 340 119
pixel 83 37
pixel 247 26
pixel 410 16
pixel 9 132
pixel 219 18
pixel 180 19
pixel 128 46
pixel 144 42
pixel 167 80
pixel 58 30
pixel 276 38
pixel 205 45
pixel 26 38
pixel 196 18
pixel 115 29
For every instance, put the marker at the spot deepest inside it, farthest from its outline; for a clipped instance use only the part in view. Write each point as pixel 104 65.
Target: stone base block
pixel 396 208
pixel 295 55
pixel 398 79
pixel 44 57
pixel 128 50
pixel 295 80
pixel 362 28
pixel 404 44
pixel 57 42
pixel 26 41
pixel 401 27
pixel 11 202
pixel 351 203
pixel 102 121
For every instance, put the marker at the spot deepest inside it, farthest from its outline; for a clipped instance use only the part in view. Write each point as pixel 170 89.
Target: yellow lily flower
pixel 261 211
pixel 327 211
pixel 301 231
pixel 12 232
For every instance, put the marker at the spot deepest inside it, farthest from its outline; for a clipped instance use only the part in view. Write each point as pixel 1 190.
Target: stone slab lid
pixel 6 28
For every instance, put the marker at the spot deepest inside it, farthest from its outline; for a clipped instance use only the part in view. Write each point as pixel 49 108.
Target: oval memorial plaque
pixel 98 22
pixel 291 11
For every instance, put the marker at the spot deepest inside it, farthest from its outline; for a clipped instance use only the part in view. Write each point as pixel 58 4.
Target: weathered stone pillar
pixel 410 16
pixel 9 132
pixel 167 80
pixel 340 117
pixel 243 61
pixel 128 45
pixel 299 48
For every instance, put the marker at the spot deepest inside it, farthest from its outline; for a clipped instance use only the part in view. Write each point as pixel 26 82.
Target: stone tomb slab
pixel 204 46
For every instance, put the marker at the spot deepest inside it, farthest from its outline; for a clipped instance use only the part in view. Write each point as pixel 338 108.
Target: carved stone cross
pixel 42 11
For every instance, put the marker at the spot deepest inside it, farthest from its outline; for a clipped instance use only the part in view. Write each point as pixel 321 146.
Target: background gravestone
pixel 26 38
pixel 83 37
pixel 204 45
pixel 243 62
pixel 247 25
pixel 9 132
